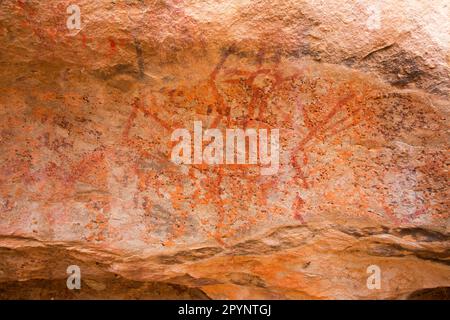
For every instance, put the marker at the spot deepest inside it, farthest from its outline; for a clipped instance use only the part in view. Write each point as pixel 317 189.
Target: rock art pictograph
pixel 360 102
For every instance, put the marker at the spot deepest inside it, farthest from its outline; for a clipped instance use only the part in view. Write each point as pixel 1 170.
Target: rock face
pixel 358 91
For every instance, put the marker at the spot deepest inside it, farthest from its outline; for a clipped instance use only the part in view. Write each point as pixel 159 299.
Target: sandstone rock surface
pixel 359 92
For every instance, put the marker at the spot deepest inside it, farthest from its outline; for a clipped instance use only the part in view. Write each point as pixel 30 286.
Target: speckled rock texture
pixel 358 89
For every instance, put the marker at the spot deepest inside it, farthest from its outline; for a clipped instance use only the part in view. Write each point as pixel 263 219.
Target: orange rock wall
pixel 86 176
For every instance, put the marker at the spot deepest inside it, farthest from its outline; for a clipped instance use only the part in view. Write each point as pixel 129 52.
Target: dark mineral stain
pixel 439 293
pixel 246 279
pixel 111 288
pixel 422 234
pixel 140 58
pixel 189 255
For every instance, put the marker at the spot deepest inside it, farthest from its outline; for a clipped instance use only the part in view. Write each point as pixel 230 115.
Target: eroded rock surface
pixel 85 171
